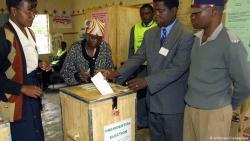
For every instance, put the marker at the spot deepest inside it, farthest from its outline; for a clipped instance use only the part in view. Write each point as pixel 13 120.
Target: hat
pixel 199 5
pixel 95 27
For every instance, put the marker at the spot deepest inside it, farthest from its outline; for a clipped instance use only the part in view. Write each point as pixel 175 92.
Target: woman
pixel 86 56
pixel 18 65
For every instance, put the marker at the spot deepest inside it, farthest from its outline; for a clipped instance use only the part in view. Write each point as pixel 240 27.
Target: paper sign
pixel 101 84
pixel 119 131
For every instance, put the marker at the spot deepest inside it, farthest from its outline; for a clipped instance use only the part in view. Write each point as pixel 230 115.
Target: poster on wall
pixel 102 16
pixel 238 20
pixel 62 20
pixel 56 41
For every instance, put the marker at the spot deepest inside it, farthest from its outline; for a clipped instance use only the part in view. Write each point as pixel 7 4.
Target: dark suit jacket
pixel 167 75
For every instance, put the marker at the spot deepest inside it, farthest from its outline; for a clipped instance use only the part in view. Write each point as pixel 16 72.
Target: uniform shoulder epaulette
pixel 233 37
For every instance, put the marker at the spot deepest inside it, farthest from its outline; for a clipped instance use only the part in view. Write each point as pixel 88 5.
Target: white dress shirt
pixel 29 47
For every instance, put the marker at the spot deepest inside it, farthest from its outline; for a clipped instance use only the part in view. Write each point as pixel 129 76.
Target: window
pixel 41 28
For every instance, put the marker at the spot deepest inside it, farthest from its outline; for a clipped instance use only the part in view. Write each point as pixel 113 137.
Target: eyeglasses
pixel 92 37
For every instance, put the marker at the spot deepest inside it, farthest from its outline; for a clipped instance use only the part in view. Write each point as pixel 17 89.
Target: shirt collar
pixel 23 39
pixel 148 24
pixel 213 36
pixel 169 27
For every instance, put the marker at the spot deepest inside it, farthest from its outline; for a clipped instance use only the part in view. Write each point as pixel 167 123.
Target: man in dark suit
pixel 166 49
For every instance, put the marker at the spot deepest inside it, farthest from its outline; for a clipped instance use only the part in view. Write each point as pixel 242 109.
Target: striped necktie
pixel 163 35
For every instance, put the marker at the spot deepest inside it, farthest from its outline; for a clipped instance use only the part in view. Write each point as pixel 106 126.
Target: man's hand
pixel 137 84
pixel 108 74
pixel 84 76
pixel 31 91
pixel 45 66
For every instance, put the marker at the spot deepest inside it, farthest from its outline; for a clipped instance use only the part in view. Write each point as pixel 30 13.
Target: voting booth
pixel 90 116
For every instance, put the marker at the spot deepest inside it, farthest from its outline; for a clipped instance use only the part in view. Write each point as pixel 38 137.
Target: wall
pixel 87 6
pixel 50 6
pixel 93 4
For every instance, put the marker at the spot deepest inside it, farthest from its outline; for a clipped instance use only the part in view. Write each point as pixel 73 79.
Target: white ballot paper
pixel 101 84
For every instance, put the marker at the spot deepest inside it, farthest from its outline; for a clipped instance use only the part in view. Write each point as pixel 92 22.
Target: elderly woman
pixel 86 56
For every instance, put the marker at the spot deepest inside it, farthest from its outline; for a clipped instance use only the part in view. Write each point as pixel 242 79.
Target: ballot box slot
pixel 114 103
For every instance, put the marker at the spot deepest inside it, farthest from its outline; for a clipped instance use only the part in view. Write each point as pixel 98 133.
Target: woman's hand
pixel 31 91
pixel 108 74
pixel 84 76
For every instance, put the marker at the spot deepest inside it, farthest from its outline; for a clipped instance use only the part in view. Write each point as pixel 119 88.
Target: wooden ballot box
pixel 89 116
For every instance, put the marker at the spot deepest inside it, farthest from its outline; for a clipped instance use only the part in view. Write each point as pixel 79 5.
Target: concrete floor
pixel 51 114
pixel 52 120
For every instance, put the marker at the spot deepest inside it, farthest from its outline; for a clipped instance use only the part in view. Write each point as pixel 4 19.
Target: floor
pixel 52 120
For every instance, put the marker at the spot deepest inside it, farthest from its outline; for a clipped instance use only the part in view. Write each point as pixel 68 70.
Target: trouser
pixel 166 127
pixel 46 78
pixel 142 109
pixel 29 128
pixel 207 125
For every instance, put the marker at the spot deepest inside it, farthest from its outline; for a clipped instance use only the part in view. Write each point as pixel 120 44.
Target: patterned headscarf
pixel 95 27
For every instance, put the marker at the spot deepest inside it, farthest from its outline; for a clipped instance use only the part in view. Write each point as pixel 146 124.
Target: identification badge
pixel 163 51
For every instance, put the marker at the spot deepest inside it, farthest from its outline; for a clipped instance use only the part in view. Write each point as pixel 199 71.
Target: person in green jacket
pixel 58 59
pixel 56 64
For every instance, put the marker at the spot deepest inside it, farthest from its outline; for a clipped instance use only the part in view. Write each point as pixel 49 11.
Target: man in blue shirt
pixel 166 48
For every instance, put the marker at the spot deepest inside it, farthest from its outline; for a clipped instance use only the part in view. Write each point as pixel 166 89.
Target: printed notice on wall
pixel 119 131
pixel 238 20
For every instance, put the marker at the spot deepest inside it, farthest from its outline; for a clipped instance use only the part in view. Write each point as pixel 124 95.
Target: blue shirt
pixel 168 28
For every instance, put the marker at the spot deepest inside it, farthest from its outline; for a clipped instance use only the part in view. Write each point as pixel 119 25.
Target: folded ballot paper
pixel 101 84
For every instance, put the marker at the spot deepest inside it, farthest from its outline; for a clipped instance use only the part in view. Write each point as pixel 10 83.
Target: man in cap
pixel 218 62
pixel 166 48
pixel 86 56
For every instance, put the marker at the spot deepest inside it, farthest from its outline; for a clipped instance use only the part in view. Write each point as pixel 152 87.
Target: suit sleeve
pixel 178 67
pixel 240 73
pixel 132 64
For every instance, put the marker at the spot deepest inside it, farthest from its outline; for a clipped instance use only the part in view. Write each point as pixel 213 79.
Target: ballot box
pixel 89 116
pixel 5 134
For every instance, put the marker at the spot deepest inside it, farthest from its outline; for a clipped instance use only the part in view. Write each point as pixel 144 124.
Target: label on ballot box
pixel 119 131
